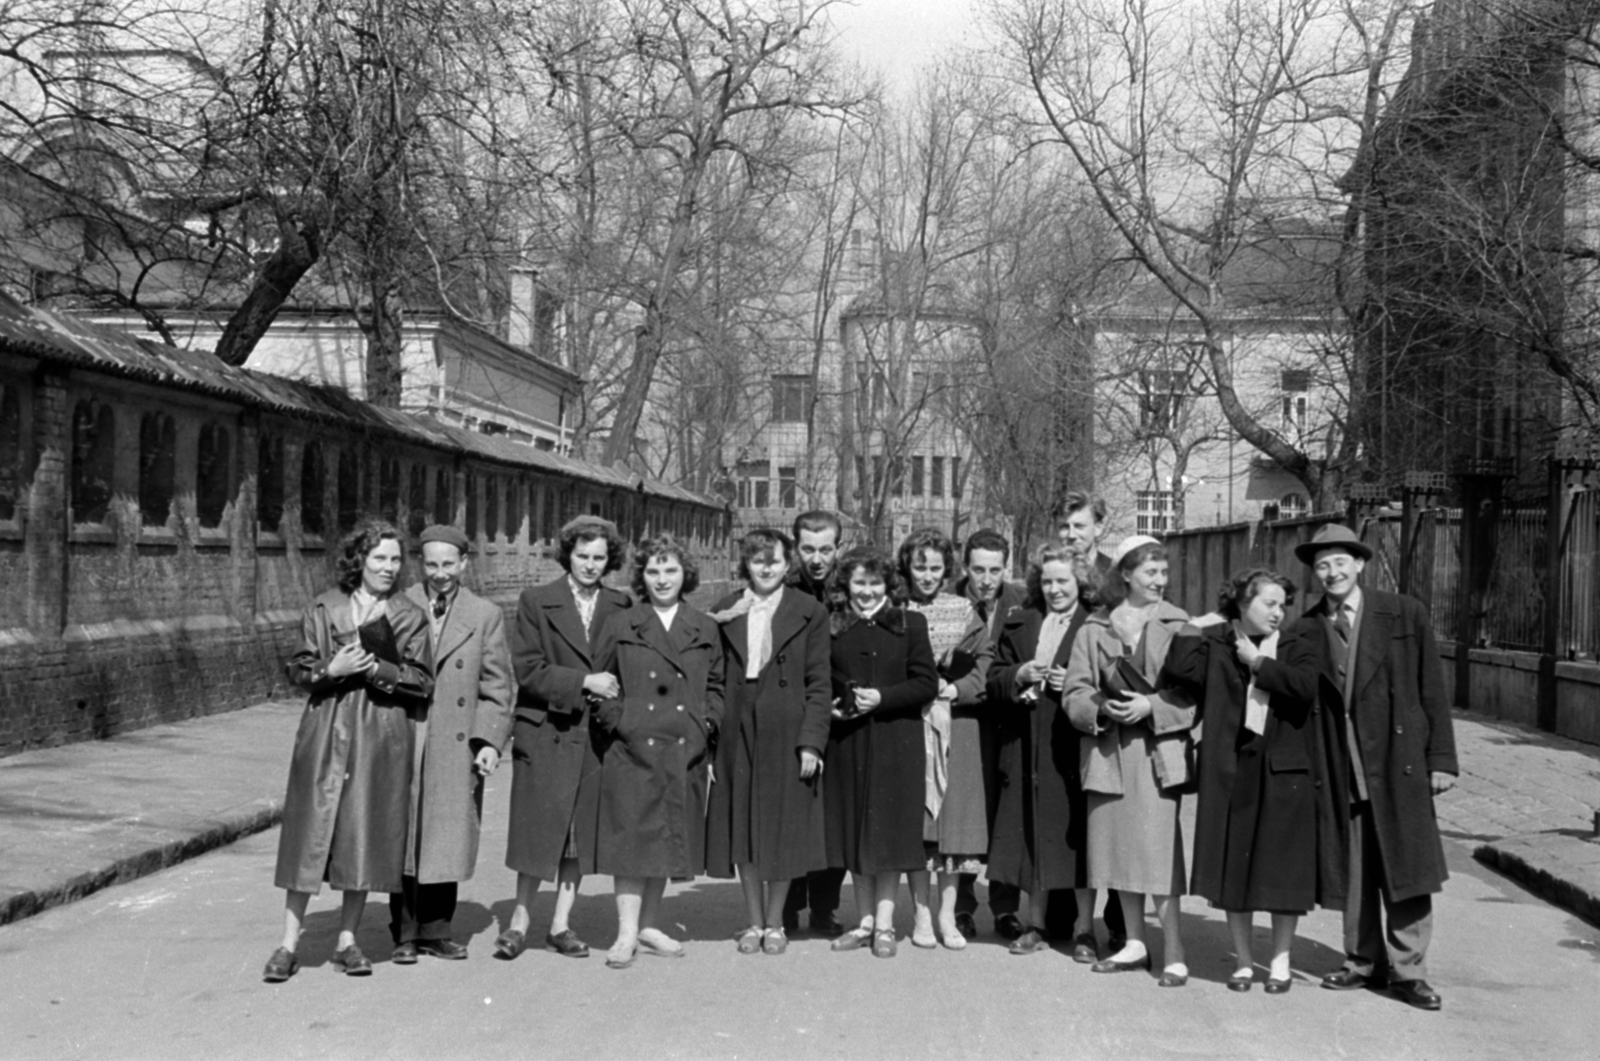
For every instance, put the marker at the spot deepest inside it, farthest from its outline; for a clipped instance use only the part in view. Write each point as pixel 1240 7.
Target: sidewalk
pixel 79 818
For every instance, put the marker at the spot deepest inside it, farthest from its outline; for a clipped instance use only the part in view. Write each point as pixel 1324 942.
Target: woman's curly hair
pixel 588 529
pixel 358 544
pixel 1238 591
pixel 927 539
pixel 760 542
pixel 866 558
pixel 1057 553
pixel 664 544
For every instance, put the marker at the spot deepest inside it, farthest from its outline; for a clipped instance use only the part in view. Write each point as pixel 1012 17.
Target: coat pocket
pixel 1289 763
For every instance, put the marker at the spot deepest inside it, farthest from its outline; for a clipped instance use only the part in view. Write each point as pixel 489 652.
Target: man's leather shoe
pixel 1114 944
pixel 1351 980
pixel 825 925
pixel 1030 942
pixel 567 944
pixel 967 925
pixel 791 923
pixel 1009 926
pixel 509 944
pixel 352 961
pixel 1084 951
pixel 1416 993
pixel 405 953
pixel 282 965
pixel 447 949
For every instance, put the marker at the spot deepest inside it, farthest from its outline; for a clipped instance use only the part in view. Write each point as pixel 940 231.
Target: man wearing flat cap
pixel 1388 748
pixel 468 723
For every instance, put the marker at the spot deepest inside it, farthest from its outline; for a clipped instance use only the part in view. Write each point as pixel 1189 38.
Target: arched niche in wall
pixel 158 464
pixel 94 445
pixel 269 482
pixel 348 489
pixel 313 489
pixel 10 450
pixel 389 489
pixel 444 496
pixel 213 474
pixel 417 500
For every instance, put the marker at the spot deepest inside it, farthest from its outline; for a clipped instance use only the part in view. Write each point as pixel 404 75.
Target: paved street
pixel 169 967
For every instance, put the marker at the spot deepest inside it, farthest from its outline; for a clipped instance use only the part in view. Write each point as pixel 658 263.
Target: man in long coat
pixel 1388 748
pixel 467 725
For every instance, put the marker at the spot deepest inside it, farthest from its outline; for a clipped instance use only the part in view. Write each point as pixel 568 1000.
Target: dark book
pixel 959 664
pixel 1131 679
pixel 377 637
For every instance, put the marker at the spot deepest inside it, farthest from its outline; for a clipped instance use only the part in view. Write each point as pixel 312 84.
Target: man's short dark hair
pixel 987 539
pixel 1077 499
pixel 816 521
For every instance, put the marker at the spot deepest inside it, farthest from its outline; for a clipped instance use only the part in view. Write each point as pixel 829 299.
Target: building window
pixel 444 502
pixel 389 489
pixel 94 438
pixel 754 484
pixel 491 507
pixel 1161 394
pixel 936 477
pixel 417 500
pixel 788 495
pixel 10 451
pixel 1153 511
pixel 213 466
pixel 313 488
pixel 791 398
pixel 1296 383
pixel 918 467
pixel 897 477
pixel 269 482
pixel 955 478
pixel 1293 506
pixel 158 462
pixel 349 489
pixel 472 506
pixel 514 491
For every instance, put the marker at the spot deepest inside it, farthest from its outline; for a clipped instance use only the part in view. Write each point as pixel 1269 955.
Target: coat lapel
pixel 562 611
pixel 1064 650
pixel 1376 627
pixel 787 623
pixel 457 628
pixel 649 629
pixel 736 634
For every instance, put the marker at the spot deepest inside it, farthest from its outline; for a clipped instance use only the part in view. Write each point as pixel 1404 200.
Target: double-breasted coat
pixel 962 828
pixel 1040 814
pixel 1402 720
pixel 471 707
pixel 654 767
pixel 555 787
pixel 876 763
pixel 347 809
pixel 762 812
pixel 1255 838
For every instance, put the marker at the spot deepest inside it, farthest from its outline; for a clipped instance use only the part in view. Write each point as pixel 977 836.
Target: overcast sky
pixel 895 36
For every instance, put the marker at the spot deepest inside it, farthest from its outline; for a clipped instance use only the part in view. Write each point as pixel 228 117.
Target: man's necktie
pixel 1341 624
pixel 441 604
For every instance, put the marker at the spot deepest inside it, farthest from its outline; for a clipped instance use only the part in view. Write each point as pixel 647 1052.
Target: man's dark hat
pixel 1332 536
pixel 443 532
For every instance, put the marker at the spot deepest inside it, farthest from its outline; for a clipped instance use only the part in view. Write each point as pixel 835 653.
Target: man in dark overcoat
pixel 818 538
pixel 467 725
pixel 1388 748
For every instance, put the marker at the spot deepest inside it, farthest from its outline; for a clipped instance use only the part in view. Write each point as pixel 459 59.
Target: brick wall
pixel 112 626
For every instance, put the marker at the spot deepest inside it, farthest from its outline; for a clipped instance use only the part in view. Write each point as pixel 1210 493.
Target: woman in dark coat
pixel 555 785
pixel 346 813
pixel 883 676
pixel 766 806
pixel 659 732
pixel 1038 841
pixel 1255 842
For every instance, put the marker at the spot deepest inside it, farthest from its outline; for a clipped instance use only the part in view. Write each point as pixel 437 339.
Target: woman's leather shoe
pixel 1172 979
pixel 1030 942
pixel 774 941
pixel 405 953
pixel 509 944
pixel 750 941
pixel 282 965
pixel 883 944
pixel 1111 965
pixel 1278 987
pixel 855 939
pixel 567 944
pixel 352 961
pixel 1242 983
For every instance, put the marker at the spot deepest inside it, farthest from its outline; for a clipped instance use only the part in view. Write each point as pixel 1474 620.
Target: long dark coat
pixel 654 766
pixel 556 780
pixel 873 784
pixel 471 707
pixel 347 810
pixel 761 812
pixel 1255 839
pixel 1403 722
pixel 1038 838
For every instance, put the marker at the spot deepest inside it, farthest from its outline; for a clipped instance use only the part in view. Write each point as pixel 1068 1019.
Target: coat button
pixel 1399 729
pixel 460 663
pixel 650 741
pixel 1408 771
pixel 680 674
pixel 782 683
pixel 652 707
pixel 680 707
pixel 461 701
pixel 680 740
pixel 780 659
pixel 652 674
pixel 461 736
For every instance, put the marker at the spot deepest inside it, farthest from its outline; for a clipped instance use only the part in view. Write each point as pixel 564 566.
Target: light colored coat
pixel 471 707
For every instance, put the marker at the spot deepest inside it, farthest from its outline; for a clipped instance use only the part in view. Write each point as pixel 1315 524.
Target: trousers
pixel 1369 948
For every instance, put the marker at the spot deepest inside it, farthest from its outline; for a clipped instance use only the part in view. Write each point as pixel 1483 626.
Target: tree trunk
pixel 299 247
pixel 382 329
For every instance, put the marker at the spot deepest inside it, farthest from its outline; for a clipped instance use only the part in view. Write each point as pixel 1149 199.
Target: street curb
pixel 1559 868
pixel 209 836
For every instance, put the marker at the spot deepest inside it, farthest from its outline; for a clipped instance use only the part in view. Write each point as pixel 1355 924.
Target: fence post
pixel 1362 501
pixel 1419 491
pixel 1481 480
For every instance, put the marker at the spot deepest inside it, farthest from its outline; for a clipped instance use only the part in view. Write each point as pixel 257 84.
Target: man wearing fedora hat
pixel 468 722
pixel 1388 748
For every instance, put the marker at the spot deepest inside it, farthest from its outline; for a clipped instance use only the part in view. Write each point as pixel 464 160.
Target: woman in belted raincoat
pixel 347 809
pixel 657 738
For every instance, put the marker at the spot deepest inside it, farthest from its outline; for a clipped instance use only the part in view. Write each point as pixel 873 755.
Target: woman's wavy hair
pixel 591 528
pixel 663 544
pixel 917 542
pixel 760 542
pixel 866 558
pixel 1057 553
pixel 1238 591
pixel 1114 588
pixel 358 544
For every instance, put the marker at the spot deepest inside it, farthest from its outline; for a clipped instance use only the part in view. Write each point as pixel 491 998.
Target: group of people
pixel 881 715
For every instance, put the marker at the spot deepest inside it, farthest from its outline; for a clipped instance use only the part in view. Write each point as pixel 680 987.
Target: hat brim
pixel 1306 552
